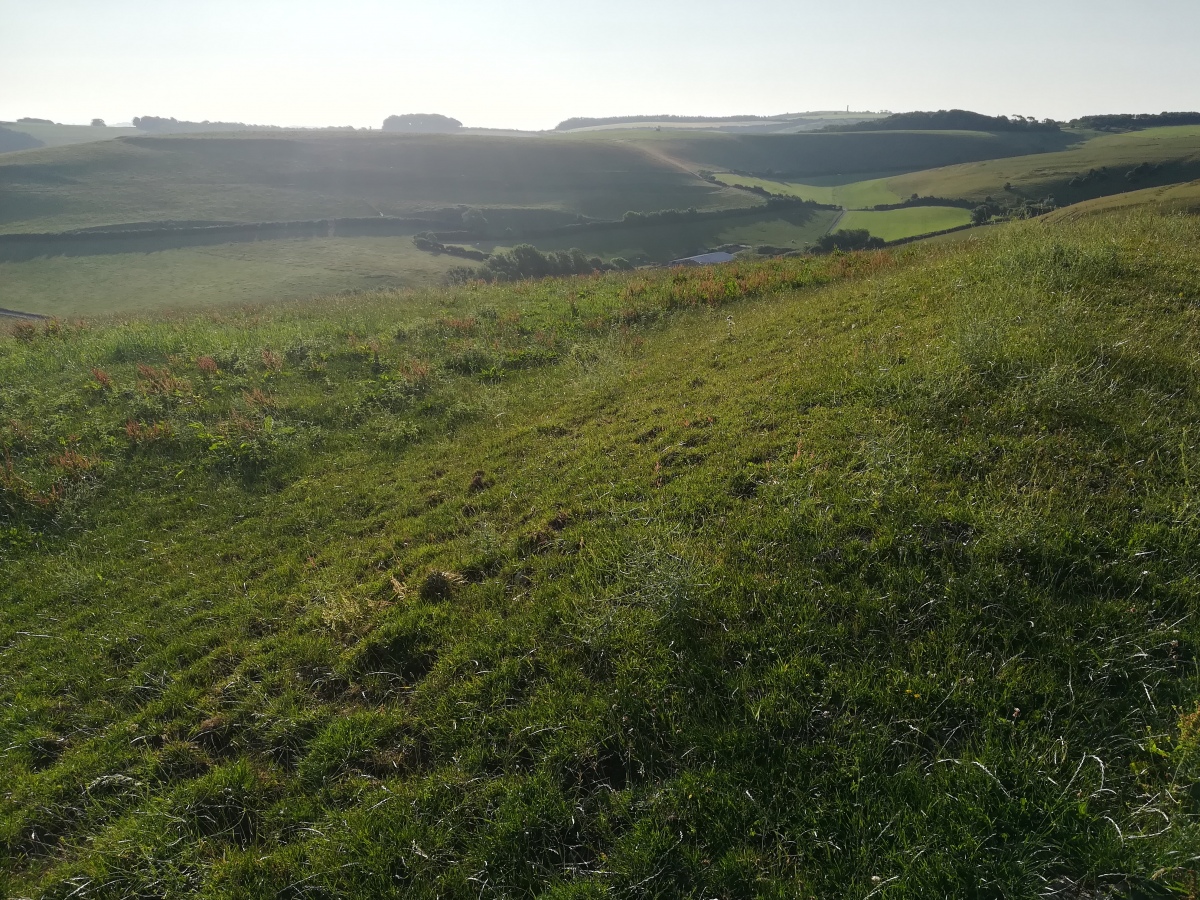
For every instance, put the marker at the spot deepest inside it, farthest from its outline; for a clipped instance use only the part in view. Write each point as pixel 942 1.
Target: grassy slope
pixel 802 155
pixel 1168 198
pixel 897 224
pixel 219 275
pixel 851 195
pixel 65 135
pixel 257 272
pixel 1177 150
pixel 794 594
pixel 274 177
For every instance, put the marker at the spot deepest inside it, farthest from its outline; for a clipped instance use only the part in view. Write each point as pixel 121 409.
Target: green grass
pixel 1176 150
pixel 871 575
pixel 269 270
pixel 795 228
pixel 256 177
pixel 897 224
pixel 1167 199
pixel 836 190
pixel 798 157
pixel 224 274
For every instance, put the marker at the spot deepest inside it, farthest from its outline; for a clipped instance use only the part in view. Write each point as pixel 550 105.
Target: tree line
pixel 950 120
pixel 1136 122
pixel 422 123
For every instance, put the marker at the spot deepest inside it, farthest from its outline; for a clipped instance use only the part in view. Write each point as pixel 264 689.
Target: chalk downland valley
pixel 383 515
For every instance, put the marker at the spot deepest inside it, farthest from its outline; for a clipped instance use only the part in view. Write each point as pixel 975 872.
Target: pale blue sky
pixel 530 63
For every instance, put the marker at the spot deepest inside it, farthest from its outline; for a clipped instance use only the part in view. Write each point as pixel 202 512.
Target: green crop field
pixel 1176 151
pixel 835 190
pixel 257 177
pixel 223 274
pixel 871 574
pixel 897 224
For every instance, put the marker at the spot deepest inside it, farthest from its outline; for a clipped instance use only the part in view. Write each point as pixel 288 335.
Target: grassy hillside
pixel 873 575
pixel 1169 198
pixel 65 135
pixel 299 176
pixel 220 275
pixel 851 192
pixel 1175 151
pixel 806 155
pixel 102 277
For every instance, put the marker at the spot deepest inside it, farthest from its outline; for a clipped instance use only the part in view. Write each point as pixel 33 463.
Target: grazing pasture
pixel 795 157
pixel 283 176
pixel 798 578
pixel 897 224
pixel 1100 167
pixel 837 190
pixel 218 275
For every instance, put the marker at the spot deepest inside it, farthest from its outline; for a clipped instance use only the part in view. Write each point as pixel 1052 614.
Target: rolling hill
pixel 798 578
pixel 803 155
pixel 1099 167
pixel 253 178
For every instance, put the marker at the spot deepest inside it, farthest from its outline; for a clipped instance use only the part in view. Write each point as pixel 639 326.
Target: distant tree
pixel 852 239
pixel 621 263
pixel 98 123
pixel 948 120
pixel 422 123
pixel 29 120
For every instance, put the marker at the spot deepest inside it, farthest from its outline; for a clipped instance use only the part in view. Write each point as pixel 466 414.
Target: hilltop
pixel 793 578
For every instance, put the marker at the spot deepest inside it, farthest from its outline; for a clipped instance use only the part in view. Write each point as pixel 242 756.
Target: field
pixel 1175 150
pixel 220 275
pixel 662 243
pixel 796 157
pixel 254 177
pixel 897 224
pixel 860 193
pixel 868 575
pixel 65 135
pixel 97 282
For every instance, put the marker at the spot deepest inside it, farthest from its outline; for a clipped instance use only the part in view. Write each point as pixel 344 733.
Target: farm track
pixel 16 314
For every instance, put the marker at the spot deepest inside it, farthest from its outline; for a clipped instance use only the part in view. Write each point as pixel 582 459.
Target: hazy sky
pixel 530 63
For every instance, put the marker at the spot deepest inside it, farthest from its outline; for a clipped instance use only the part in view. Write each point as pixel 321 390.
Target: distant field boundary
pixel 117 239
pixel 19 247
pixel 920 237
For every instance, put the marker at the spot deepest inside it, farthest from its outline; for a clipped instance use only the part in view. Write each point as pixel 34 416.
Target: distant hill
pixel 422 123
pixel 16 140
pixel 160 125
pixel 288 176
pixel 584 122
pixel 843 153
pixel 948 120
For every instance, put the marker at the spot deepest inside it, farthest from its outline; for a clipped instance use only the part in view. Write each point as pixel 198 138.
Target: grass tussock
pixel 873 575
